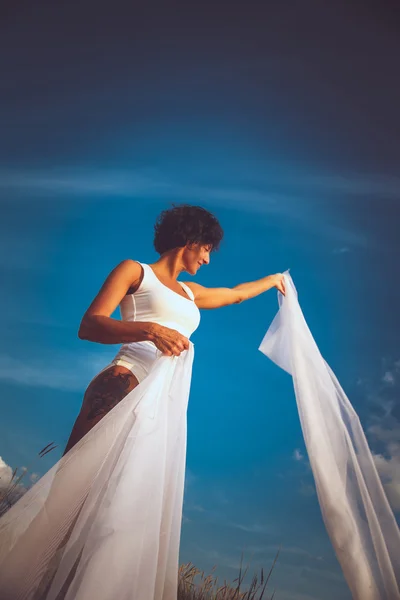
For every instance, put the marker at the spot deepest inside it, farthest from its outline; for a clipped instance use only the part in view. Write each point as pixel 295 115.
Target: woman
pixel 185 236
pixel 105 521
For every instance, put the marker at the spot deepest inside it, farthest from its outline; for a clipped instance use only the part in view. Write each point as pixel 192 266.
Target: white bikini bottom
pixel 138 370
pixel 138 357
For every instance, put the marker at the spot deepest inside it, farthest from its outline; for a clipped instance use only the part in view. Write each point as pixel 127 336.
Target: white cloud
pixel 388 467
pixel 388 377
pixel 385 428
pixel 297 455
pixel 10 488
pixel 5 475
pixel 387 434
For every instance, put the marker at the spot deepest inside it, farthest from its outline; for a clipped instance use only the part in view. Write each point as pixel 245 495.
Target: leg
pixel 102 394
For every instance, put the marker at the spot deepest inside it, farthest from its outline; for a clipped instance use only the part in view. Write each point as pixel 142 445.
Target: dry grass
pixel 16 487
pixel 207 589
pixel 188 589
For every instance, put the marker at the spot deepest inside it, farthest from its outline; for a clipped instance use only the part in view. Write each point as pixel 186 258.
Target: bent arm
pixel 106 330
pixel 218 297
pixel 98 326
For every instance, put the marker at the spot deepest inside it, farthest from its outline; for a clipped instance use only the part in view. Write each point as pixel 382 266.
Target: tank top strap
pixel 146 268
pixel 187 289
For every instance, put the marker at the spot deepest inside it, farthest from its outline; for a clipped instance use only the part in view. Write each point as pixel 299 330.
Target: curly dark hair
pixel 184 224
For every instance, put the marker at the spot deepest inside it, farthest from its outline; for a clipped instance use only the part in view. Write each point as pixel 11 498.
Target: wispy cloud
pixel 388 466
pixel 85 182
pixel 266 189
pixel 253 527
pixel 69 372
pixel 297 455
pixel 195 508
pixel 388 377
pixel 384 428
pixel 261 176
pixel 389 471
pixel 307 489
pixel 268 549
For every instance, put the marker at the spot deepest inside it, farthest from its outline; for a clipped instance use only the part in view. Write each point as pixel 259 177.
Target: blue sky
pixel 297 158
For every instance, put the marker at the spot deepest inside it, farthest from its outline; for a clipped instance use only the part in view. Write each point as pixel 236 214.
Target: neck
pixel 170 264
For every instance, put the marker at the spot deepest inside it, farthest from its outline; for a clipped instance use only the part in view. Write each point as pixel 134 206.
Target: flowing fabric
pixel 105 521
pixel 356 512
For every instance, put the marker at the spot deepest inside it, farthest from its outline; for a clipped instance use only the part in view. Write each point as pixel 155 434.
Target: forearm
pixel 254 288
pixel 105 330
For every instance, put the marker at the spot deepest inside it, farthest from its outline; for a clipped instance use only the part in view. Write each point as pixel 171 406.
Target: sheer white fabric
pixel 356 512
pixel 105 521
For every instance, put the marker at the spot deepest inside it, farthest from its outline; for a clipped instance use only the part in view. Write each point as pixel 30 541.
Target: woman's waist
pixel 184 327
pixel 138 351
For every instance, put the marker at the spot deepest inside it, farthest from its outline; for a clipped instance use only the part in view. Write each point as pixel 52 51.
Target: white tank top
pixel 155 302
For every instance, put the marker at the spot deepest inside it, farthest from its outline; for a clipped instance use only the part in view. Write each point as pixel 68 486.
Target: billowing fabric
pixel 105 521
pixel 156 303
pixel 356 512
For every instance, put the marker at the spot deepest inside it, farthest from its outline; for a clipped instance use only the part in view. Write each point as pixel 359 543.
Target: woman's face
pixel 196 255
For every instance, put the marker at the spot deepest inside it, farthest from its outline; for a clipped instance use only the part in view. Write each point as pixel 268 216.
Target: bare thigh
pixel 102 394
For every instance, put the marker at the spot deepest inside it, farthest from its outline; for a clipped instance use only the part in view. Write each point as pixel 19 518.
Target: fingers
pixel 176 351
pixel 182 345
pixel 175 346
pixel 281 284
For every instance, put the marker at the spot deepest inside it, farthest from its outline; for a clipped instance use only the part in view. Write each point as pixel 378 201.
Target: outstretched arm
pixel 217 297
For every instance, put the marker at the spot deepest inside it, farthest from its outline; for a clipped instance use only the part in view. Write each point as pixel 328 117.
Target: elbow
pixel 82 333
pixel 84 330
pixel 239 297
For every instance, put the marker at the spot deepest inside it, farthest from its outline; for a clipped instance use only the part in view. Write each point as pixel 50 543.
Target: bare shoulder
pixel 128 272
pixel 213 297
pixel 127 269
pixel 124 279
pixel 195 287
pixel 125 275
